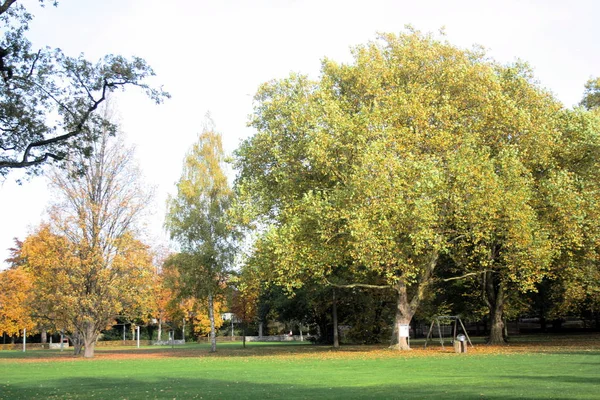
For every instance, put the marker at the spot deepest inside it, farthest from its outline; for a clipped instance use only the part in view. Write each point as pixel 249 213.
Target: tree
pixel 15 301
pixel 90 266
pixel 591 95
pixel 49 101
pixel 369 169
pixel 199 316
pixel 244 300
pixel 196 220
pixel 571 210
pixel 161 297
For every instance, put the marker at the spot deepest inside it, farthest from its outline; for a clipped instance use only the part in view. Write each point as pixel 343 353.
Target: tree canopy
pixel 49 101
pixel 415 149
pixel 197 221
pixel 89 266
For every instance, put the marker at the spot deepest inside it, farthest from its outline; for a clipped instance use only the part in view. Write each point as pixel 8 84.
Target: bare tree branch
pixel 357 285
pixel 455 278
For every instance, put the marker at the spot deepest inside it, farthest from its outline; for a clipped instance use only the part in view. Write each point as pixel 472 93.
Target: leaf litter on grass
pixel 314 352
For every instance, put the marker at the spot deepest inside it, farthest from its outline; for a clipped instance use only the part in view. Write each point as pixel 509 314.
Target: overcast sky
pixel 212 56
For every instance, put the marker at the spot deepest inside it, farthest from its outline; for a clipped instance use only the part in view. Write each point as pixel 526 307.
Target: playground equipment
pixel 458 341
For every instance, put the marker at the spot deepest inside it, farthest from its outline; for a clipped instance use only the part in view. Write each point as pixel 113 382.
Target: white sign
pixel 404 330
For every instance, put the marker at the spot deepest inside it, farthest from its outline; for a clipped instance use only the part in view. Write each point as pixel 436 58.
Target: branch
pixel 37 57
pixel 25 162
pixel 455 278
pixel 6 5
pixel 355 285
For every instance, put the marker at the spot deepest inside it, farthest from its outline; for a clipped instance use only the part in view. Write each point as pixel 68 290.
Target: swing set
pixel 455 321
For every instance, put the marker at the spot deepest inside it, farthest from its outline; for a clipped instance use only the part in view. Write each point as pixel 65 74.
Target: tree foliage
pixel 414 150
pixel 89 266
pixel 591 95
pixel 196 220
pixel 15 301
pixel 49 101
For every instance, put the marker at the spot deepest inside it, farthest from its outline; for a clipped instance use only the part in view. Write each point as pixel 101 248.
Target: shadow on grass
pixel 217 389
pixel 586 380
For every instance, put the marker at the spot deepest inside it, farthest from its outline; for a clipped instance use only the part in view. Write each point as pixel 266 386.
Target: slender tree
pixel 196 220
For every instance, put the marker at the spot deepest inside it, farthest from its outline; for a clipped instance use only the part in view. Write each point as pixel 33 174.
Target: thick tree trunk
pixel 211 317
pixel 405 307
pixel 404 313
pixel 44 336
pixel 89 340
pixel 260 329
pixel 336 339
pixel 495 299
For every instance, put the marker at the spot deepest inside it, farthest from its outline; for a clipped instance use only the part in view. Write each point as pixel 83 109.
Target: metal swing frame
pixel 455 321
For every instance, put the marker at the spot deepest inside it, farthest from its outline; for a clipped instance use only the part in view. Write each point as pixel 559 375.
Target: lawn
pixel 550 368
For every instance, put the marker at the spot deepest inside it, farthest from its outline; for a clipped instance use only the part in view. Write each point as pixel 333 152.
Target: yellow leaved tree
pixel 88 264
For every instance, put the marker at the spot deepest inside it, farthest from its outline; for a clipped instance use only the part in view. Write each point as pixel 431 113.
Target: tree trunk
pixel 260 329
pixel 404 313
pixel 495 299
pixel 159 337
pixel 77 343
pixel 211 317
pixel 44 336
pixel 243 334
pixel 89 340
pixel 336 339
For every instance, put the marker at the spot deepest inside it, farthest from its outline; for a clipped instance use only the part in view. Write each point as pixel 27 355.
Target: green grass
pixel 301 372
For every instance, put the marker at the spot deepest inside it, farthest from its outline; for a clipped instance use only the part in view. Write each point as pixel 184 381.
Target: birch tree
pixel 196 220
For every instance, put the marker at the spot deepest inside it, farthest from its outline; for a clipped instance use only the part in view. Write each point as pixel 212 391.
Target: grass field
pixel 530 368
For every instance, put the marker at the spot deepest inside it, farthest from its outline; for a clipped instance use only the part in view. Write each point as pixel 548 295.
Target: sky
pixel 212 56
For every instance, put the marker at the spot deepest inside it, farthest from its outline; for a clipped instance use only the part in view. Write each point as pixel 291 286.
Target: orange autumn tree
pixel 161 298
pixel 15 298
pixel 74 296
pixel 91 268
pixel 180 308
pixel 200 320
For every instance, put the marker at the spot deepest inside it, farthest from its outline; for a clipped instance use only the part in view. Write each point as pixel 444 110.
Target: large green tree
pixel 571 209
pixel 196 220
pixel 49 101
pixel 415 149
